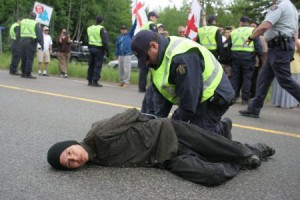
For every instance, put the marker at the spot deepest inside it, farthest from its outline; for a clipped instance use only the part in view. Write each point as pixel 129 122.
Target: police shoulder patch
pixel 181 69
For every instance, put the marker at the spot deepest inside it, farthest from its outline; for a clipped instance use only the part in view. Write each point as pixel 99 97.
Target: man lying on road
pixel 132 139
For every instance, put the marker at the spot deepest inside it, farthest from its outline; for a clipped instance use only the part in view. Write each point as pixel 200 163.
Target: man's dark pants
pixel 242 73
pixel 204 157
pixel 16 57
pixel 95 63
pixel 278 65
pixel 28 48
pixel 143 72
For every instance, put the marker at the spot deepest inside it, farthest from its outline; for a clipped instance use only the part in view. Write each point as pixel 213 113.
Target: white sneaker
pixel 66 75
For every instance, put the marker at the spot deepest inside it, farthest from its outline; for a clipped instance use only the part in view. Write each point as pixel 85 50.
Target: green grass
pixel 78 70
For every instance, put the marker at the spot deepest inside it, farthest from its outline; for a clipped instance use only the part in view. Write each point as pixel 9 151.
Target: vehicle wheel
pixel 74 60
pixel 116 66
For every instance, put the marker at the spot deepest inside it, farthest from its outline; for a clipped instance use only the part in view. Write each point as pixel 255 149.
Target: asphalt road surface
pixel 34 114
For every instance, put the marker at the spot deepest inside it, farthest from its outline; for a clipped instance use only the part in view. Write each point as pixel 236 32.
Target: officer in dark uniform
pixel 243 58
pixel 15 36
pixel 98 48
pixel 188 75
pixel 210 36
pixel 280 29
pixel 30 35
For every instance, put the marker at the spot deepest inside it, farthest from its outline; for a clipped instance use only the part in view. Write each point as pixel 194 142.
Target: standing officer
pixel 143 69
pixel 210 37
pixel 98 47
pixel 280 30
pixel 188 75
pixel 243 58
pixel 15 36
pixel 30 35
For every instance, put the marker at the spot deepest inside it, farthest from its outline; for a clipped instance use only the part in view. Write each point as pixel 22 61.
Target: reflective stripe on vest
pixel 207 37
pixel 94 35
pixel 146 26
pixel 238 37
pixel 28 28
pixel 12 31
pixel 212 74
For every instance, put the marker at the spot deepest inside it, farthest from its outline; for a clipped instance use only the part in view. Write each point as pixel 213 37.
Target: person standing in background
pixel 63 52
pixel 44 55
pixel 98 48
pixel 123 53
pixel 30 35
pixel 210 37
pixel 15 47
pixel 243 58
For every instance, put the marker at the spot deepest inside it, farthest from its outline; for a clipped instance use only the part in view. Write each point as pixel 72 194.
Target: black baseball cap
pixel 152 13
pixel 211 18
pixel 141 44
pixel 245 19
pixel 123 27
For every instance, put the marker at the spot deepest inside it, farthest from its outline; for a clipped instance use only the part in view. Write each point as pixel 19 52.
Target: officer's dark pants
pixel 28 48
pixel 278 65
pixel 242 72
pixel 16 56
pixel 148 102
pixel 95 63
pixel 143 72
pixel 205 158
pixel 208 116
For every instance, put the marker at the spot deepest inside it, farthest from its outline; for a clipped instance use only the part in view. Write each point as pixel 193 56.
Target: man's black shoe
pixel 142 91
pixel 15 73
pixel 227 126
pixel 248 113
pixel 96 84
pixel 28 76
pixel 265 151
pixel 90 83
pixel 252 162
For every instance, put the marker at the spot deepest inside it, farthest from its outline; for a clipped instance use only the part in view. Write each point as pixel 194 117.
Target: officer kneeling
pixel 186 74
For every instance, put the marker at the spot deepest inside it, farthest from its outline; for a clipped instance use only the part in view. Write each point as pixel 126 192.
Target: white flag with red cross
pixel 138 12
pixel 193 22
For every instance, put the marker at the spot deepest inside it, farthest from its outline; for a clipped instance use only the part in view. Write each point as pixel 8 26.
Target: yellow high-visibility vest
pixel 207 36
pixel 94 35
pixel 212 73
pixel 12 31
pixel 27 28
pixel 238 37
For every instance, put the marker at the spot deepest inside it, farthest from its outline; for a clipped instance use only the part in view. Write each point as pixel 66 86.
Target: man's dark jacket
pixel 130 139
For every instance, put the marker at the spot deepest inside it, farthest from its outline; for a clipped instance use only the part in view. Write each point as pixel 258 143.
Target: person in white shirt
pixel 43 55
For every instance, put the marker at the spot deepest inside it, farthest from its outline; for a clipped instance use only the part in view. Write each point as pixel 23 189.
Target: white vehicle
pixel 115 63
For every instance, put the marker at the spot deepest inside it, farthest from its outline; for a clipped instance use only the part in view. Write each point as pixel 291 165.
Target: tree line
pixel 77 15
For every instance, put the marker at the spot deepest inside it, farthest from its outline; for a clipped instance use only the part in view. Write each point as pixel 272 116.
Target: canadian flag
pixel 138 12
pixel 193 22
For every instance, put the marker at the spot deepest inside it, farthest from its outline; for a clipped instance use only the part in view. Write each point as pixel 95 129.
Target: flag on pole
pixel 193 22
pixel 138 12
